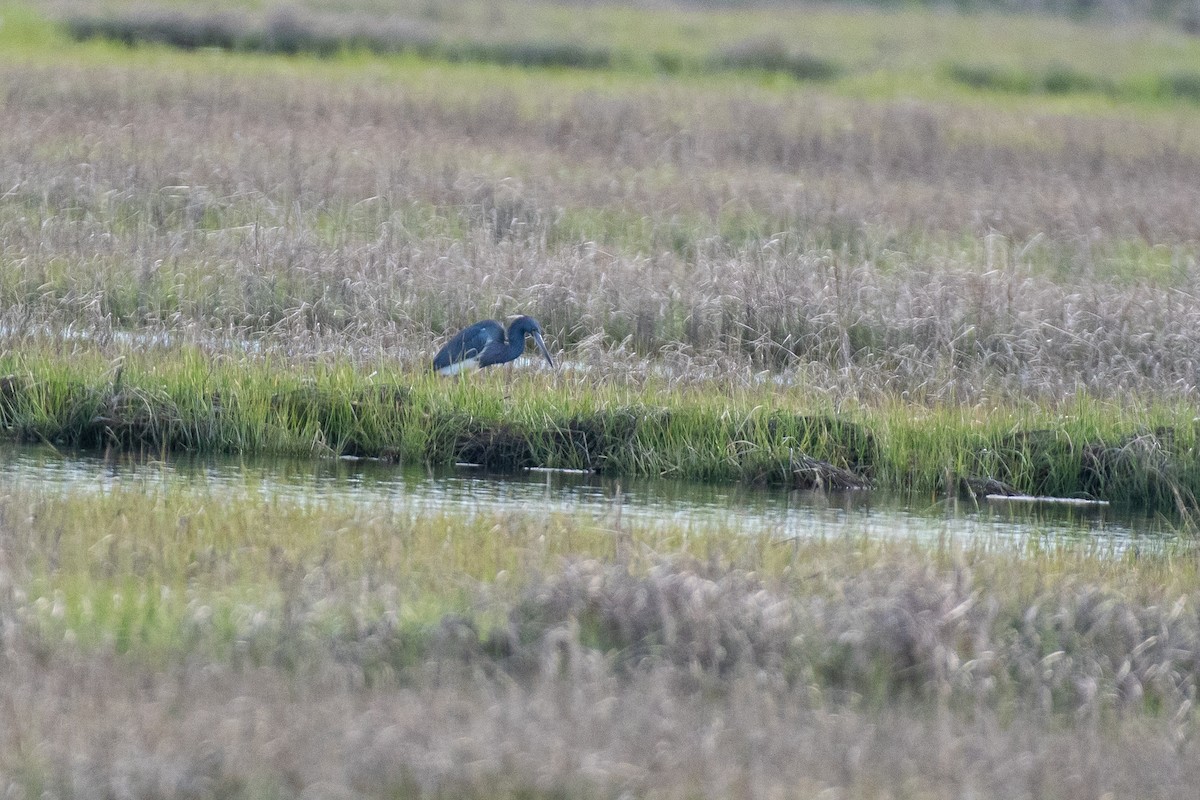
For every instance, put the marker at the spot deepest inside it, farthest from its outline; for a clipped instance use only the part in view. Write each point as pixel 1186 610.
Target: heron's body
pixel 486 343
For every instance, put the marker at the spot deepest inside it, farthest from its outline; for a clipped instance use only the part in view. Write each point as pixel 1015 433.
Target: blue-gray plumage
pixel 486 343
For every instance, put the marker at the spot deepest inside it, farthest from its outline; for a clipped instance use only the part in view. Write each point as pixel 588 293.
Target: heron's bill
pixel 537 339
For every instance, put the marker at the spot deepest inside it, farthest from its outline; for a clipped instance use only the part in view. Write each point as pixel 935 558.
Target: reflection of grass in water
pixel 154 603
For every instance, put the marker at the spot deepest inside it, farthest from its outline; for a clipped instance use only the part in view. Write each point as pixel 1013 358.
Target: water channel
pixel 637 502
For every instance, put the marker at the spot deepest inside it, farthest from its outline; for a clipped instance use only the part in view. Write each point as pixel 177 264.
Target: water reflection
pixel 608 500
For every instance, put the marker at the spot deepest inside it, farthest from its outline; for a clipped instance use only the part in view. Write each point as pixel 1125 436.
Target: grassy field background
pixel 966 242
pixel 891 232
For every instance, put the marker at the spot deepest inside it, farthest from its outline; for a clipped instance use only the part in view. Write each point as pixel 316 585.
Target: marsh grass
pixel 1060 79
pixel 930 250
pixel 183 400
pixel 266 647
pixel 772 54
pixel 716 239
pixel 237 252
pixel 290 31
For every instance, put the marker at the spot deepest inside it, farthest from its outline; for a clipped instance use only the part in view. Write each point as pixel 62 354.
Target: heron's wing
pixel 498 352
pixel 468 343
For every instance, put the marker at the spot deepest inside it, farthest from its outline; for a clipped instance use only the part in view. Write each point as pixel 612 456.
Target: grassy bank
pixel 168 644
pixel 183 400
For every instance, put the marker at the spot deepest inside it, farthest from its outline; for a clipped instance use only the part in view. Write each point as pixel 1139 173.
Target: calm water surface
pixel 645 502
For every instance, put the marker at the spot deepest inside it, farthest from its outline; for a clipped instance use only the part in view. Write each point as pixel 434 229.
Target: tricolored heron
pixel 486 343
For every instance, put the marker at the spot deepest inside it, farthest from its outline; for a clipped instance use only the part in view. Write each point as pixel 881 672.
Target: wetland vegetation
pixel 790 246
pixel 167 645
pixel 763 434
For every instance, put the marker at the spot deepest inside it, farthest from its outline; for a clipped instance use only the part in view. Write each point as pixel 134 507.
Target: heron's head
pixel 528 325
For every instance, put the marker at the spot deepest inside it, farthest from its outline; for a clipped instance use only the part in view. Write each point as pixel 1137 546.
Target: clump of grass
pixel 532 54
pixel 285 30
pixel 1054 79
pixel 225 30
pixel 1184 85
pixel 288 31
pixel 1062 79
pixel 772 54
pixel 978 76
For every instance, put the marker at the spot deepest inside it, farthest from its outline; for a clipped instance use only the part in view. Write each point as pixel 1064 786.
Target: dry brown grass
pixel 886 247
pixel 155 645
pixel 96 728
pixel 701 684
